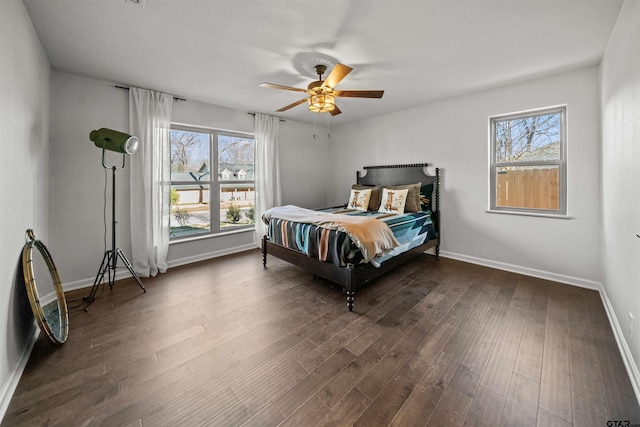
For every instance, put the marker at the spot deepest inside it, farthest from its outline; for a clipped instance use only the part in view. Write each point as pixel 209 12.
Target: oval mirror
pixel 45 290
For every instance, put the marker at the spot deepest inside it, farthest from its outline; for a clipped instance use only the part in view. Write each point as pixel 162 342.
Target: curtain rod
pixel 175 98
pixel 282 120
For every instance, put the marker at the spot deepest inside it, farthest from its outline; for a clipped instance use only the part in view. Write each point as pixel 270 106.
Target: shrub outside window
pixel 203 202
pixel 528 162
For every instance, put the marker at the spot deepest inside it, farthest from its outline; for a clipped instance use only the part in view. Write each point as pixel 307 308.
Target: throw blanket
pixel 373 237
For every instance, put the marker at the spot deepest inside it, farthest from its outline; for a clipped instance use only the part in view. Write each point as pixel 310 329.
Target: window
pixel 212 181
pixel 528 162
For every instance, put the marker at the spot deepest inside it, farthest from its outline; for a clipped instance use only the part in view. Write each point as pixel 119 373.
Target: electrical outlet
pixel 631 325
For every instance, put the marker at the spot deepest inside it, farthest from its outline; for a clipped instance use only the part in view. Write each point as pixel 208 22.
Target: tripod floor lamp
pixel 119 142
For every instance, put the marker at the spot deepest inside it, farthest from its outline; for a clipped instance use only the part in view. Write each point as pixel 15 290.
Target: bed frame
pixel 353 276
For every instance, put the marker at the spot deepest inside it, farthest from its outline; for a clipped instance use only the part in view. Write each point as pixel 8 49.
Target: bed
pixel 335 252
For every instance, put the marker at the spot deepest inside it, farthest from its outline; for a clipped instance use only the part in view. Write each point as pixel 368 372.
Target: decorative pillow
pixel 426 197
pixel 413 196
pixel 359 199
pixel 374 201
pixel 393 201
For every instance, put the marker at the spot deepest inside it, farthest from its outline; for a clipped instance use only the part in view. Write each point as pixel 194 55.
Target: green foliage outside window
pixel 233 214
pixel 251 213
pixel 182 216
pixel 175 197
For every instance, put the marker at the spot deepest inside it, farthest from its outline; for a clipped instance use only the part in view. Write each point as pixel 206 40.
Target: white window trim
pixel 562 165
pixel 214 184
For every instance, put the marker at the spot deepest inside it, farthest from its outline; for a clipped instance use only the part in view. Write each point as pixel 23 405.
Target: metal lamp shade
pixel 113 140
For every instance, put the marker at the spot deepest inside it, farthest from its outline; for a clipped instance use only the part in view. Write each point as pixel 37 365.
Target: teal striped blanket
pixel 410 229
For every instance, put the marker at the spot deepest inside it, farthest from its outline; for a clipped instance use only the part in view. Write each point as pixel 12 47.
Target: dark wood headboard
pixel 404 174
pixel 396 175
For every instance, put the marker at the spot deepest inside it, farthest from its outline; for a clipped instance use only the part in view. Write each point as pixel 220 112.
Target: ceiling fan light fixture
pixel 322 93
pixel 322 103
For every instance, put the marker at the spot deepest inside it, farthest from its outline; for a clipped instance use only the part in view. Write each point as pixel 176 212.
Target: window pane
pixel 235 157
pixel 189 156
pixel 236 164
pixel 237 203
pixel 528 187
pixel 532 138
pixel 190 213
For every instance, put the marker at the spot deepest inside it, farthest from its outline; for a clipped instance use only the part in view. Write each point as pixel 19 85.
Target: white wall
pixel 620 81
pixel 80 105
pixel 453 135
pixel 24 171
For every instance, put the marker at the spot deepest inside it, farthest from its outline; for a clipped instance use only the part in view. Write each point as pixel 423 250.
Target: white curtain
pixel 150 121
pixel 267 170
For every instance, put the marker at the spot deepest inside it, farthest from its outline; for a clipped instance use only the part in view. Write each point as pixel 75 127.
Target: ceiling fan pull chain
pixel 328 128
pixel 314 127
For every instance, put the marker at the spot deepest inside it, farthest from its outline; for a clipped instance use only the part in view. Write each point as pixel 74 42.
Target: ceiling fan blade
pixel 275 86
pixel 335 111
pixel 359 93
pixel 293 105
pixel 338 73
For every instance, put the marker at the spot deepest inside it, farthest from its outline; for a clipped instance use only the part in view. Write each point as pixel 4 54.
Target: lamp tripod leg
pixel 112 268
pixel 108 267
pixel 126 262
pixel 105 266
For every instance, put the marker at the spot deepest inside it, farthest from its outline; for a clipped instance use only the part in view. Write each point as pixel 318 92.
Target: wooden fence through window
pixel 528 188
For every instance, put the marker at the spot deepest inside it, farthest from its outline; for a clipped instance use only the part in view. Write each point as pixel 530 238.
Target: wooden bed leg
pixel 350 285
pixel 348 289
pixel 264 251
pixel 350 298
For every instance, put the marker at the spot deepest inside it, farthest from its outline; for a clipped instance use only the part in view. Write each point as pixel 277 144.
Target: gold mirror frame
pixel 61 325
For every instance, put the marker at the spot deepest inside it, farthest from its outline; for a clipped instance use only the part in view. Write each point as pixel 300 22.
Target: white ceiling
pixel 418 51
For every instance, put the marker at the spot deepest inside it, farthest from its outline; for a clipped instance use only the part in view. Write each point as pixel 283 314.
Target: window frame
pixel 560 163
pixel 215 182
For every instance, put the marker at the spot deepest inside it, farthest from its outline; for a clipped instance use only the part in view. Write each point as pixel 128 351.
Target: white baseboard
pixel 561 278
pixel 211 255
pixel 625 352
pixel 88 282
pixel 11 384
pixel 123 274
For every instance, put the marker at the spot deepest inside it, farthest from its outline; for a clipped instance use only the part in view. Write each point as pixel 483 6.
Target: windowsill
pixel 210 236
pixel 541 215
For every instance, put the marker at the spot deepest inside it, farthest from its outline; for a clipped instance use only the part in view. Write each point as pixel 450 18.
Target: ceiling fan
pixel 322 94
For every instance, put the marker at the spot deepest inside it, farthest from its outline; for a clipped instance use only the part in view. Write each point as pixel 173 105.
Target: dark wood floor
pixel 437 342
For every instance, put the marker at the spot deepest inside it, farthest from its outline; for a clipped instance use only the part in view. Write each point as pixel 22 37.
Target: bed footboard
pixel 350 277
pixel 344 276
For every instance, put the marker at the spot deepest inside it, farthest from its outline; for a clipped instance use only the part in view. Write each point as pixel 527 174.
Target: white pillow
pixel 359 199
pixel 393 201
